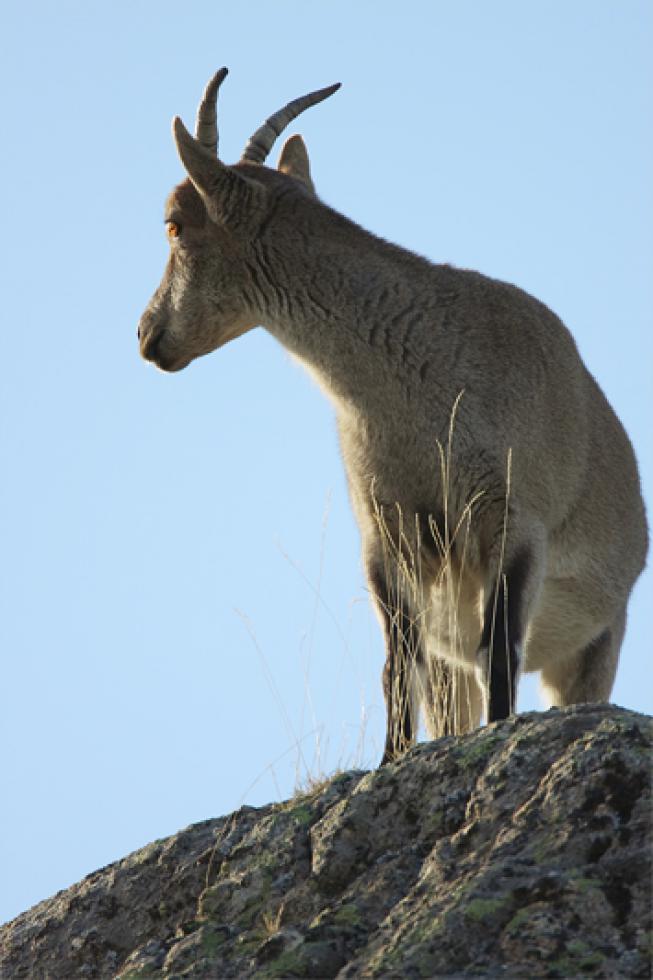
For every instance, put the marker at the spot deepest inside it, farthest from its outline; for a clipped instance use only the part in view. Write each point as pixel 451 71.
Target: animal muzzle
pixel 153 337
pixel 150 337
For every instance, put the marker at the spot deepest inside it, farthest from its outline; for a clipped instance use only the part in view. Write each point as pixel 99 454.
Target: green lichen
pixel 266 862
pixel 211 941
pixel 592 961
pixel 481 908
pixel 215 902
pixel 426 966
pixel 393 962
pixel 547 847
pixel 425 930
pixel 288 964
pixel 248 942
pixel 479 748
pixel 301 814
pixel 577 947
pixel 646 940
pixel 251 912
pixel 580 958
pixel 584 885
pixel 433 825
pixel 347 915
pixel 518 920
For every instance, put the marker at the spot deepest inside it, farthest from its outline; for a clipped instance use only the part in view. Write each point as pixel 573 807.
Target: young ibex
pixel 496 491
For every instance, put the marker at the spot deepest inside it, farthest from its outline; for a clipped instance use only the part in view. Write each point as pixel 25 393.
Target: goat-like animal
pixel 496 491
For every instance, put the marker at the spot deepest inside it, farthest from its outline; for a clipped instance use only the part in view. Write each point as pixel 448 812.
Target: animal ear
pixel 230 199
pixel 294 162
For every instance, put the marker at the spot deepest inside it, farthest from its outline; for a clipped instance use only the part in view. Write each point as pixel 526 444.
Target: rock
pixel 521 850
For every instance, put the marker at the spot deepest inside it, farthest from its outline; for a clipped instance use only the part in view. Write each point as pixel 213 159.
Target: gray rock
pixel 521 850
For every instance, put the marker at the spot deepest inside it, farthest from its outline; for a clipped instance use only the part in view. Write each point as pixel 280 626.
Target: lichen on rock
pixel 522 849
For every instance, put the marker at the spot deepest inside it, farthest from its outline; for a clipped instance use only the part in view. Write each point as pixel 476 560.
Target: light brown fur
pixel 462 402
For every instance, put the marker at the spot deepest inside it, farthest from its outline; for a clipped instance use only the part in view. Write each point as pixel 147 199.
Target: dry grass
pixel 450 697
pixel 311 749
pixel 271 922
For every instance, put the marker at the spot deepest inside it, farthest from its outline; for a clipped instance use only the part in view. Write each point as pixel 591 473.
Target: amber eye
pixel 173 230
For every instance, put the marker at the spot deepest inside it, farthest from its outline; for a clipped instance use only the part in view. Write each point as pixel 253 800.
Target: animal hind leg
pixel 588 675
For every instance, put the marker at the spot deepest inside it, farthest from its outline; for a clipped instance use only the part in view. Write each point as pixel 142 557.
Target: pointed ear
pixel 294 162
pixel 229 198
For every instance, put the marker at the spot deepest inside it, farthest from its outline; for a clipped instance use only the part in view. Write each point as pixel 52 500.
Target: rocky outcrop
pixel 521 850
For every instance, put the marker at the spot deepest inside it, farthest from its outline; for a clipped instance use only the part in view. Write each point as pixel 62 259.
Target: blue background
pixel 184 621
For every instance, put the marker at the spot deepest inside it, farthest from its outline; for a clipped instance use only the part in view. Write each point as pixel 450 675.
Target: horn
pixel 229 198
pixel 263 139
pixel 206 124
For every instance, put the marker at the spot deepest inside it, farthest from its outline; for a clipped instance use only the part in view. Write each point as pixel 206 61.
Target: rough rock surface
pixel 521 850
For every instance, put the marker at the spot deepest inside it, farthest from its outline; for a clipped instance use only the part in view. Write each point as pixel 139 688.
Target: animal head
pixel 213 220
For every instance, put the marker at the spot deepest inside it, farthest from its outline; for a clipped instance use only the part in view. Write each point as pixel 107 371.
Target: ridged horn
pixel 263 139
pixel 229 198
pixel 206 124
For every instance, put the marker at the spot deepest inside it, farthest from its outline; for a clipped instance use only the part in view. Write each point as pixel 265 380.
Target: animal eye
pixel 173 229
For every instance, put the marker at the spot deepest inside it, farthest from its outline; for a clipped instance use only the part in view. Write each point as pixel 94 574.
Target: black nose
pixel 150 332
pixel 150 345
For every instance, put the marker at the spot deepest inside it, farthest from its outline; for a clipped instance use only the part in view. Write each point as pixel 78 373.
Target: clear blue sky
pixel 182 598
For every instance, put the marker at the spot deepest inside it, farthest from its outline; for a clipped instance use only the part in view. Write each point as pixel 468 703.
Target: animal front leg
pixel 401 724
pixel 400 674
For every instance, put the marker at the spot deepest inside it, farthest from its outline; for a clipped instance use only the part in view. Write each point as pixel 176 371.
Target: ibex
pixel 496 491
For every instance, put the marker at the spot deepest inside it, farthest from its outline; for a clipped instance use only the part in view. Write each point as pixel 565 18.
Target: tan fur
pixel 534 474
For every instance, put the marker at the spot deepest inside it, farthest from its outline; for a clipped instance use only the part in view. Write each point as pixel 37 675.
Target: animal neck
pixel 349 306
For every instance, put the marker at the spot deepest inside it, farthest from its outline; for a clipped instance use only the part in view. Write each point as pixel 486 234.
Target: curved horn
pixel 263 139
pixel 229 198
pixel 206 124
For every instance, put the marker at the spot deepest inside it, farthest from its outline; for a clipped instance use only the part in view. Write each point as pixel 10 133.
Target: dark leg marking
pixel 503 630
